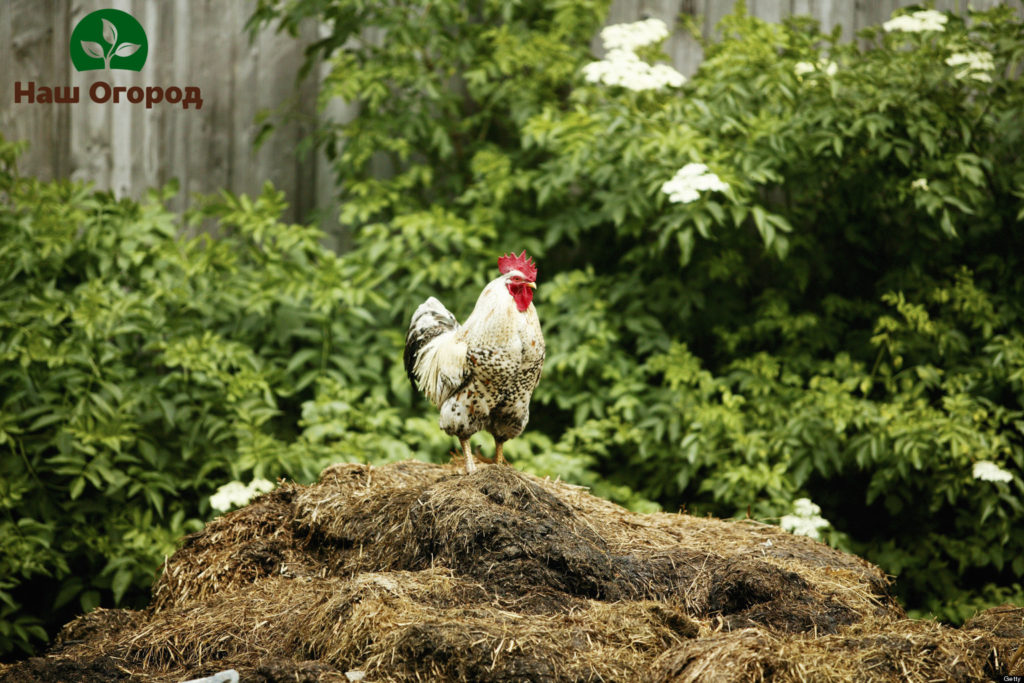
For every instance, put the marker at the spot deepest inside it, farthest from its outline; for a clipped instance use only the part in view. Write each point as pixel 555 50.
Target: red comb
pixel 523 263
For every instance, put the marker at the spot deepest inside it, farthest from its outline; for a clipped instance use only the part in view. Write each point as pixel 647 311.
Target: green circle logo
pixel 108 39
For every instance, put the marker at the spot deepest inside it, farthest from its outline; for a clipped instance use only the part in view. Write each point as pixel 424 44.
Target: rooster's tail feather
pixel 434 360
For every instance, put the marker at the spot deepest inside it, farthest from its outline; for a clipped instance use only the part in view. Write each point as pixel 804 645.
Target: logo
pixel 108 39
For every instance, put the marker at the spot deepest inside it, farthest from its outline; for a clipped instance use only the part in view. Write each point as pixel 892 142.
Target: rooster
pixel 481 374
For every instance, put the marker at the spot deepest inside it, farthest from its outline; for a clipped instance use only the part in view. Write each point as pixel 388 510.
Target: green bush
pixel 138 372
pixel 841 322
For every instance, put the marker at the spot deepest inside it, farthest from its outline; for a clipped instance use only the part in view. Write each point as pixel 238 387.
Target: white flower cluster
pixel 237 494
pixel 621 66
pixel 989 471
pixel 806 519
pixel 916 22
pixel 828 68
pixel 629 71
pixel 631 37
pixel 975 65
pixel 689 181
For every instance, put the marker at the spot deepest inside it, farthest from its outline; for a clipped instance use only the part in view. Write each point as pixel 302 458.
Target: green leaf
pixel 69 589
pixel 947 224
pixel 89 600
pixel 764 227
pixel 46 420
pixel 685 241
pixel 121 582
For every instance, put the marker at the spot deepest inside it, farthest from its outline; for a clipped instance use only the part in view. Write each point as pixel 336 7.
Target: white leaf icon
pixel 92 49
pixel 109 32
pixel 126 49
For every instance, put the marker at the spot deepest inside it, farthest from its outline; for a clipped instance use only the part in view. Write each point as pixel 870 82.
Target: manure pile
pixel 417 572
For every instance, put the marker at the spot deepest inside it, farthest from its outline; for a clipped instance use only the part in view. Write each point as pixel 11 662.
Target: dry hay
pixel 1000 631
pixel 905 650
pixel 416 572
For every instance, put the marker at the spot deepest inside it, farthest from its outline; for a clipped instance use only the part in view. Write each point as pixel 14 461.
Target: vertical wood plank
pixel 327 208
pixel 832 13
pixel 279 159
pixel 804 8
pixel 210 57
pixel 769 10
pixel 7 110
pixel 179 128
pixel 30 46
pixel 685 50
pixel 89 137
pixel 304 197
pixel 7 63
pixel 713 11
pixel 123 124
pixel 246 168
pixel 149 144
pixel 61 128
pixel 861 15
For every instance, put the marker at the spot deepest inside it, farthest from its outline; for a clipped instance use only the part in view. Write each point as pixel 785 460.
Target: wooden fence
pixel 203 43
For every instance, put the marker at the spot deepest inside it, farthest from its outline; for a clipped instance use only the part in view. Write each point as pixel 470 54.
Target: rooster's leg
pixel 470 465
pixel 499 455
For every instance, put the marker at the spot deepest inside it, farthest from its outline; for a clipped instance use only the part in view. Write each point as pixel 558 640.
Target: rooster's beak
pixel 531 285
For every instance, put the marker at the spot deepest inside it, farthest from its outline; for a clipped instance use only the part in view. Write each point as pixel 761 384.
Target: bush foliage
pixel 841 324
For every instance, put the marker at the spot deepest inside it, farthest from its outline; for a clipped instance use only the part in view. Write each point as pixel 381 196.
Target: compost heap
pixel 418 572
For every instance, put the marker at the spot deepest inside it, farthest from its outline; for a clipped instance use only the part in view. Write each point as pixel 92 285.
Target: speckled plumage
pixel 480 374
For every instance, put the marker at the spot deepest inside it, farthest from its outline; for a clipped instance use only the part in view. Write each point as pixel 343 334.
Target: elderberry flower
pixel 237 494
pixel 803 68
pixel 974 64
pixel 916 22
pixel 989 471
pixel 806 519
pixel 689 181
pixel 633 36
pixel 621 65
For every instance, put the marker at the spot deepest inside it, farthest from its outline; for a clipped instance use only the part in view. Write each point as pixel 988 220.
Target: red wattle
pixel 522 295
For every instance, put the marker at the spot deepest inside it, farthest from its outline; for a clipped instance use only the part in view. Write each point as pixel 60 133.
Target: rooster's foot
pixel 459 459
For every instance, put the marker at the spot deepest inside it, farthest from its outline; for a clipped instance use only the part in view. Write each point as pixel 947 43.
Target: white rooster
pixel 481 374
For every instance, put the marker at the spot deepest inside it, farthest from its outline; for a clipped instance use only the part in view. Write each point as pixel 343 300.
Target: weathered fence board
pixel 203 43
